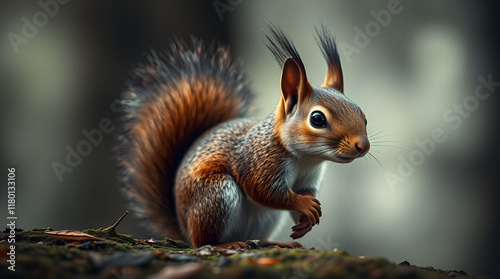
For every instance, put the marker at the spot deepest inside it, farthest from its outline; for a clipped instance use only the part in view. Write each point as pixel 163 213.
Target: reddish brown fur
pixel 154 145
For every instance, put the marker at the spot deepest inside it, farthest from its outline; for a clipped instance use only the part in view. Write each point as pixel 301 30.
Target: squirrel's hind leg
pixel 212 211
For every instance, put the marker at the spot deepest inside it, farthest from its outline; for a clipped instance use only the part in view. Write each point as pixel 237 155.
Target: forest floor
pixel 72 254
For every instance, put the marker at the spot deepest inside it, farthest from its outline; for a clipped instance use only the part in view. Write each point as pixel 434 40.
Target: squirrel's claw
pixel 310 207
pixel 303 227
pixel 300 226
pixel 300 233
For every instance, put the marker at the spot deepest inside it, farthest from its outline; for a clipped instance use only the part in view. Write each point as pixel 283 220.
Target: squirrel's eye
pixel 366 122
pixel 318 119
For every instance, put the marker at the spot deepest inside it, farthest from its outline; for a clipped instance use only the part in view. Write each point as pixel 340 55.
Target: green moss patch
pixel 121 256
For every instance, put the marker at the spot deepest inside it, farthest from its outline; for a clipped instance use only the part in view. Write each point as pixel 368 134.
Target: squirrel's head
pixel 321 121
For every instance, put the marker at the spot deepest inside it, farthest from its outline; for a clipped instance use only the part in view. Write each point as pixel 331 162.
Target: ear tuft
pixel 280 45
pixel 334 77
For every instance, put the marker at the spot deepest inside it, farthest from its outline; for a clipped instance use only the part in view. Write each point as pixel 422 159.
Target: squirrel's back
pixel 170 100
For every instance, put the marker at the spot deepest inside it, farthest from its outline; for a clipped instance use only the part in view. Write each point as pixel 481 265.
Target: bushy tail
pixel 170 100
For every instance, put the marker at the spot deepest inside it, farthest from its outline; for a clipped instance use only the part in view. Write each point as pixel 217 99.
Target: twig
pixel 119 220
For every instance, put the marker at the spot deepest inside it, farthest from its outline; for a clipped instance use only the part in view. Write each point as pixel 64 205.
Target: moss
pixel 110 234
pixel 53 258
pixel 175 243
pixel 33 236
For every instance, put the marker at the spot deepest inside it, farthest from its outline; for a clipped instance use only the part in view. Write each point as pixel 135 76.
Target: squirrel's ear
pixel 294 84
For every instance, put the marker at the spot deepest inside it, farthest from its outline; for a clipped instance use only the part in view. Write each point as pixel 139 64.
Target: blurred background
pixel 414 66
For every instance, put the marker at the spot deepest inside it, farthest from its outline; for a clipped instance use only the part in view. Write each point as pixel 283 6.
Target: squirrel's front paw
pixel 303 227
pixel 309 206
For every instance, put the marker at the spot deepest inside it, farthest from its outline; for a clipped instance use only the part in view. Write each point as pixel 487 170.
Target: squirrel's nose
pixel 362 145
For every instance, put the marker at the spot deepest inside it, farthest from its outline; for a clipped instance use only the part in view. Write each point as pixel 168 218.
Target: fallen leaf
pixel 267 261
pixel 69 235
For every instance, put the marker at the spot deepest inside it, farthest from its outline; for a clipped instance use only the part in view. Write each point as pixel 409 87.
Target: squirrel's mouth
pixel 345 159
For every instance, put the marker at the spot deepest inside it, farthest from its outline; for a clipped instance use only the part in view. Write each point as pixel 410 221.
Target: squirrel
pixel 195 166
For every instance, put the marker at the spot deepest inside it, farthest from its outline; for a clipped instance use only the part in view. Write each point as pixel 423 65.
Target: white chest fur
pixel 248 220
